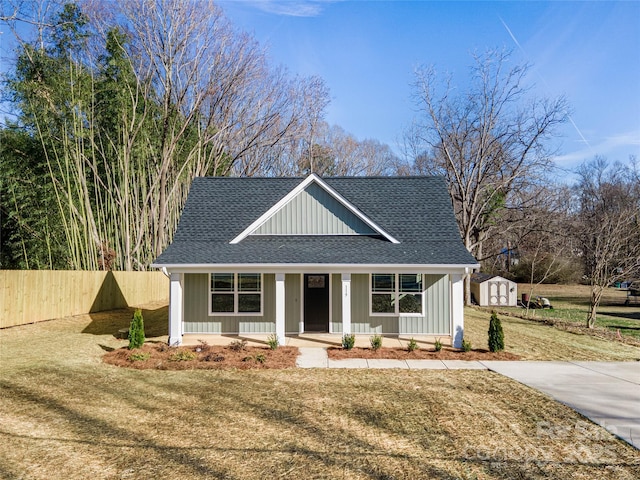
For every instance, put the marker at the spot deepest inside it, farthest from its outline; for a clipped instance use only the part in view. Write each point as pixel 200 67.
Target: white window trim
pixel 396 293
pixel 236 294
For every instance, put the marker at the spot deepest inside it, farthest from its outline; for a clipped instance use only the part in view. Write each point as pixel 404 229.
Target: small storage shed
pixel 493 290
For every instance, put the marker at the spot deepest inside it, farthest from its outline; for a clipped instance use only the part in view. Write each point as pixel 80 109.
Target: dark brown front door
pixel 316 302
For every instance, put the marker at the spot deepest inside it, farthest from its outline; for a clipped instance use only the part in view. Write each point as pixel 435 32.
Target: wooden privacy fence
pixel 28 296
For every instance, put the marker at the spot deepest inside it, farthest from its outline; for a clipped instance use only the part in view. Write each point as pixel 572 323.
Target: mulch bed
pixel 338 353
pixel 159 356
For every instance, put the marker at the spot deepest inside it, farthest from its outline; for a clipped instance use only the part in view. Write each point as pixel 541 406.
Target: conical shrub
pixel 136 330
pixel 496 335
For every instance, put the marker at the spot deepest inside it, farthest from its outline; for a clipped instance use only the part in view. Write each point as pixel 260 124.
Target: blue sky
pixel 367 52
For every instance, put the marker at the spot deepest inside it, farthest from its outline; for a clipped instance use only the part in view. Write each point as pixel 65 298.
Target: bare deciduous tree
pixel 153 94
pixel 608 225
pixel 489 142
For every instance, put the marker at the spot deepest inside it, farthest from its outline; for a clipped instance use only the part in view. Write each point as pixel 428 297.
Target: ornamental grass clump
pixel 496 335
pixel 136 330
pixel 273 342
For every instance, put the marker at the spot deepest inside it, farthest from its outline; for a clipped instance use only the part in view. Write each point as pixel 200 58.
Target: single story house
pixel 492 290
pixel 362 255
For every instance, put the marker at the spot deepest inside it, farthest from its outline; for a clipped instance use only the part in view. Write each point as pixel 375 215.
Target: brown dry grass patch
pixel 65 414
pixel 534 340
pixel 159 356
pixel 338 353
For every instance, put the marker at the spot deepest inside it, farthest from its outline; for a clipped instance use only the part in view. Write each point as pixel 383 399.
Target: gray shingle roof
pixel 416 211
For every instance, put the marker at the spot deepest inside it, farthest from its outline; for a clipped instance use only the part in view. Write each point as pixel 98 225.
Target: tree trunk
pixel 596 296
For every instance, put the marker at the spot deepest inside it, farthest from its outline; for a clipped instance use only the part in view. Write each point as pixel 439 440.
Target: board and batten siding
pixel 336 303
pixel 293 302
pixel 435 321
pixel 196 309
pixel 437 314
pixel 314 212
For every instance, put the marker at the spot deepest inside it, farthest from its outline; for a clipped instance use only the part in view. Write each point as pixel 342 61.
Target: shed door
pixel 316 302
pixel 498 293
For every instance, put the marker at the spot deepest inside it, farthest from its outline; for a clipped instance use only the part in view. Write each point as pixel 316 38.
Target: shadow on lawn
pixel 628 315
pixel 108 323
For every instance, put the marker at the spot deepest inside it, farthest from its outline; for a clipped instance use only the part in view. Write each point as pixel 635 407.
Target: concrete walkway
pixel 608 393
pixel 314 357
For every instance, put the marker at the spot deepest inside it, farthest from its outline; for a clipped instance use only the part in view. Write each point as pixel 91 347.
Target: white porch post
pixel 175 308
pixel 280 308
pixel 346 303
pixel 457 309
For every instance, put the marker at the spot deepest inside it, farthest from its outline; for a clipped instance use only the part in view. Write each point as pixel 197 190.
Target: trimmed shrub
pixel 412 345
pixel 376 342
pixel 466 345
pixel 496 335
pixel 136 330
pixel 348 341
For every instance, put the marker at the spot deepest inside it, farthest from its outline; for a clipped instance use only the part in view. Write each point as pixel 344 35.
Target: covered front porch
pixel 317 307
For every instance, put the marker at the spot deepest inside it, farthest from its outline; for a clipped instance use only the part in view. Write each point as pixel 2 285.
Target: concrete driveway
pixel 608 393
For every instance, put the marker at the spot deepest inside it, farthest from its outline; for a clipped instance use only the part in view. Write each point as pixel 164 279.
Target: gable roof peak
pixel 312 178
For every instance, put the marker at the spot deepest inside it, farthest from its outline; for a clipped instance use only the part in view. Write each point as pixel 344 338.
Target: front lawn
pixel 66 414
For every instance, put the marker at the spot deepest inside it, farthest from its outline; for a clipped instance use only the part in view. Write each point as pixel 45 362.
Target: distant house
pixel 493 290
pixel 288 256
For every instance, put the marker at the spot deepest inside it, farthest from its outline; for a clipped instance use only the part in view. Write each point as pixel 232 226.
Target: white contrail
pixel 515 40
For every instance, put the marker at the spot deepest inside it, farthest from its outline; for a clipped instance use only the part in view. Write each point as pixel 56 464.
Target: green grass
pixel 571 304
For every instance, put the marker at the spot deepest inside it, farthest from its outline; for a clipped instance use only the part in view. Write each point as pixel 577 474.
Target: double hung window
pixel 396 294
pixel 236 294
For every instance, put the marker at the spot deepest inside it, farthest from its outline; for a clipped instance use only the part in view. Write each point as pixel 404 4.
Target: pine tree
pixel 496 335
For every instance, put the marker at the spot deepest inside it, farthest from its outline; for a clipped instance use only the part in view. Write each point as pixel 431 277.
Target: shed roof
pixel 412 218
pixel 479 277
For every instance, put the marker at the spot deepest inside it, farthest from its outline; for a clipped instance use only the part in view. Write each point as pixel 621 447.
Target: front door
pixel 316 302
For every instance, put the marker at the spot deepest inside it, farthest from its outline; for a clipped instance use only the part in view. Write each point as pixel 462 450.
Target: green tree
pixel 496 335
pixel 136 331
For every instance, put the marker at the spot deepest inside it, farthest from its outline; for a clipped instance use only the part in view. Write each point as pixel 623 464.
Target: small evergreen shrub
pixel 348 341
pixel 496 335
pixel 466 345
pixel 437 345
pixel 412 345
pixel 136 330
pixel 376 342
pixel 273 342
